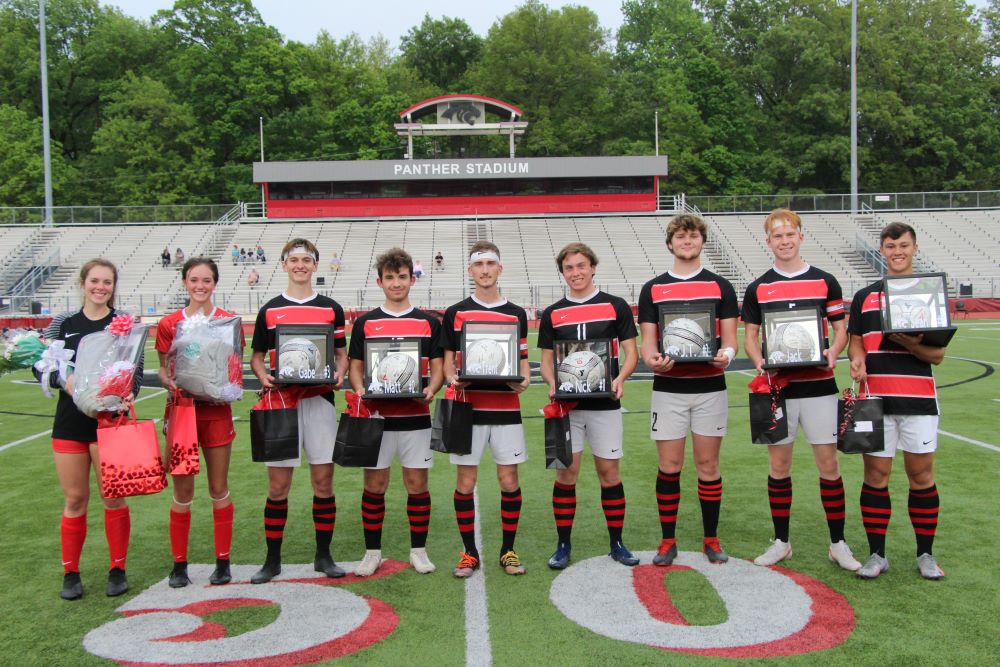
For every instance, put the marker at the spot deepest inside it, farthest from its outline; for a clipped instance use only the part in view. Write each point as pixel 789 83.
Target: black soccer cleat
pixel 221 575
pixel 560 559
pixel 179 576
pixel 117 582
pixel 266 573
pixel 324 563
pixel 621 554
pixel 72 586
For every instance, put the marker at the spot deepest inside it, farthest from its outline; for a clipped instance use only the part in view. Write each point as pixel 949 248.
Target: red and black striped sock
pixel 180 529
pixel 372 515
pixel 779 495
pixel 465 515
pixel 831 494
pixel 710 497
pixel 275 518
pixel 876 510
pixel 668 499
pixel 613 504
pixel 117 528
pixel 72 535
pixel 324 522
pixel 418 511
pixel 510 514
pixel 564 509
pixel 222 518
pixel 923 505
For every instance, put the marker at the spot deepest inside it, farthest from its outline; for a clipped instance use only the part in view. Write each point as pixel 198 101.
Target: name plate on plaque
pixel 304 354
pixel 583 369
pixel 393 369
pixel 917 304
pixel 793 337
pixel 490 352
pixel 687 332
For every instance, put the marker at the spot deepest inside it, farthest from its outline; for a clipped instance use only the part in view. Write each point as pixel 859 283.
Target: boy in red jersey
pixel 899 370
pixel 496 411
pixel 300 304
pixel 811 394
pixel 688 396
pixel 407 421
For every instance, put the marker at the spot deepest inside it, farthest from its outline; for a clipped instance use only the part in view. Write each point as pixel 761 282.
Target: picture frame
pixel 304 354
pixel 688 332
pixel 393 369
pixel 918 304
pixel 793 337
pixel 490 352
pixel 583 369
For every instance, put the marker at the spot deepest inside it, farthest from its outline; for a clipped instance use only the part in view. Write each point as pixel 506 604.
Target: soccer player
pixel 496 413
pixel 811 394
pixel 407 432
pixel 688 396
pixel 200 275
pixel 587 313
pixel 300 304
pixel 897 368
pixel 74 438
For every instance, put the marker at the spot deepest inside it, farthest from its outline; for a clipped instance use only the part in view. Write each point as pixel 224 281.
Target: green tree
pixel 22 180
pixel 441 50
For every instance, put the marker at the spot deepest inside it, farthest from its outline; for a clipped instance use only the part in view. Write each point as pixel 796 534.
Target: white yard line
pixel 978 443
pixel 478 652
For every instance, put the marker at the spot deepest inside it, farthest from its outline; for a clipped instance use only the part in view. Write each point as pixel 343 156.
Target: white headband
pixel 483 255
pixel 300 250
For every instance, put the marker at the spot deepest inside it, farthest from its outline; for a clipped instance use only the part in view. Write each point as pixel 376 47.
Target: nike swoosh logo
pixel 427 459
pixel 927 442
pixel 563 317
pixel 518 453
pixel 771 292
pixel 66 562
pixel 719 428
pixel 72 334
pixel 613 451
pixel 278 317
pixel 379 328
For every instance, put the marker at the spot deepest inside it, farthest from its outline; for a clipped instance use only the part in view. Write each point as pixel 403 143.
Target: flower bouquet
pixel 207 358
pixel 106 364
pixel 20 349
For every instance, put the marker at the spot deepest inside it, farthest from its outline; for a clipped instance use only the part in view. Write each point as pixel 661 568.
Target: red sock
pixel 180 528
pixel 117 527
pixel 223 520
pixel 72 534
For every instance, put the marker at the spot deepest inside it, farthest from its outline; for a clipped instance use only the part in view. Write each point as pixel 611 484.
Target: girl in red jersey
pixel 215 434
pixel 74 438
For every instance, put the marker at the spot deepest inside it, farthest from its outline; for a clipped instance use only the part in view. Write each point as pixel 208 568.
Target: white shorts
pixel 317 433
pixel 506 444
pixel 412 447
pixel 916 434
pixel 672 415
pixel 818 417
pixel 601 429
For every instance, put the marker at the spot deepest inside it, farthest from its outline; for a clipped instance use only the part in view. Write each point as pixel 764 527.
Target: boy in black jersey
pixel 586 313
pixel 300 304
pixel 899 370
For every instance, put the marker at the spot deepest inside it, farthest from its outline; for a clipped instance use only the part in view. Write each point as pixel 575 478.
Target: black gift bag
pixel 768 419
pixel 558 439
pixel 359 436
pixel 451 431
pixel 274 430
pixel 861 428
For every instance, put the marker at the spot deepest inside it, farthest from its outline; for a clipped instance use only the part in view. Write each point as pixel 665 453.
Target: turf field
pixel 596 612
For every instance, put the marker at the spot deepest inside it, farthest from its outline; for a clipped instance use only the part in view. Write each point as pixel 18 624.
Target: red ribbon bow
pixel 558 409
pixel 765 384
pixel 356 407
pixel 121 325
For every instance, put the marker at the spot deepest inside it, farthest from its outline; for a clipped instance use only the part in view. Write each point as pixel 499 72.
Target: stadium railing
pixel 830 203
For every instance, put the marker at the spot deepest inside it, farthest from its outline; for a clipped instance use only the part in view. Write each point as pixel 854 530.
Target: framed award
pixel 304 354
pixel 583 369
pixel 490 352
pixel 917 304
pixel 687 332
pixel 393 369
pixel 793 337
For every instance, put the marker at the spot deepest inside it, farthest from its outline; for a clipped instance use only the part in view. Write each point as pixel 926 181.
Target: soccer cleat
pixel 266 573
pixel 621 554
pixel 117 582
pixel 875 566
pixel 324 563
pixel 72 586
pixel 511 563
pixel 666 553
pixel 370 563
pixel 841 554
pixel 420 562
pixel 560 559
pixel 928 567
pixel 467 564
pixel 221 575
pixel 777 552
pixel 179 576
pixel 714 551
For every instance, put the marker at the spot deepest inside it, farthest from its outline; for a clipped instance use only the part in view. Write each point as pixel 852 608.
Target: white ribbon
pixel 55 358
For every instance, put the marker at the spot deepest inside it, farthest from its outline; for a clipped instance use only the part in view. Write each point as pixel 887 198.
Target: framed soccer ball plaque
pixel 583 369
pixel 917 304
pixel 687 332
pixel 304 354
pixel 489 352
pixel 393 369
pixel 793 337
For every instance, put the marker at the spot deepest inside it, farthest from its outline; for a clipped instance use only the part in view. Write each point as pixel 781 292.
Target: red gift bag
pixel 130 459
pixel 182 437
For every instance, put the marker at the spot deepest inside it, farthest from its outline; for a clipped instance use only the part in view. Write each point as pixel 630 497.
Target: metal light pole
pixel 46 148
pixel 854 108
pixel 262 202
pixel 656 132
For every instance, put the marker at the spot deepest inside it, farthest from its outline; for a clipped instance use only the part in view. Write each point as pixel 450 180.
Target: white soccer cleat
pixel 420 562
pixel 777 552
pixel 875 566
pixel 370 563
pixel 841 554
pixel 928 567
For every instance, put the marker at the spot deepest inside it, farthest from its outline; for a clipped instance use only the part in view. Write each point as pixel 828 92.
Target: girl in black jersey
pixel 74 439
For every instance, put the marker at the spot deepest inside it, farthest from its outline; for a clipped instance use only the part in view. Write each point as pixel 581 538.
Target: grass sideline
pixel 900 619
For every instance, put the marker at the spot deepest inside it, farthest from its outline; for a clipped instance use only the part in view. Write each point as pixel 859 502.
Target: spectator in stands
pixel 243 255
pixel 418 269
pixel 335 263
pixel 252 278
pixel 260 254
pixel 179 257
pixel 165 257
pixel 438 260
pixel 236 254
